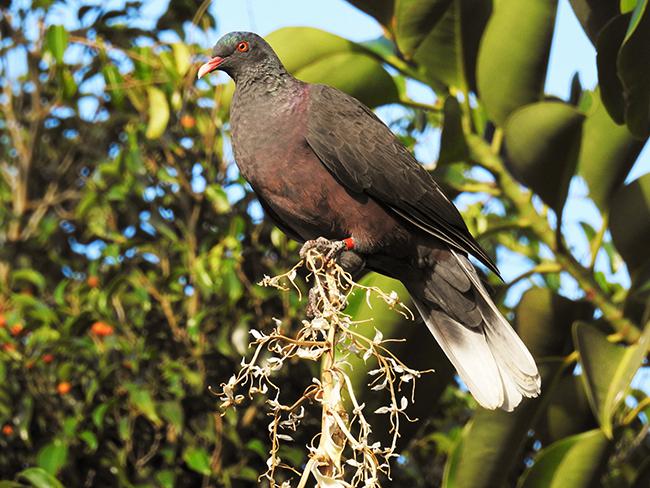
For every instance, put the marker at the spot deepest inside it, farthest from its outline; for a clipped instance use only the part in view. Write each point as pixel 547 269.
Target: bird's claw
pixel 329 249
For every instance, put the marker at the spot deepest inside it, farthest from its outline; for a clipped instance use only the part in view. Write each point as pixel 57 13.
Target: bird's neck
pixel 264 78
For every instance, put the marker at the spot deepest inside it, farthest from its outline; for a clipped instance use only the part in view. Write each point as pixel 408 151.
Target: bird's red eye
pixel 242 47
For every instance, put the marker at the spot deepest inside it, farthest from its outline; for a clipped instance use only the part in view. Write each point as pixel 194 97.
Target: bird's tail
pixel 489 356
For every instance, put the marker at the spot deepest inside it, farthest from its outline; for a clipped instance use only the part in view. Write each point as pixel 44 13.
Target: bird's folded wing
pixel 366 157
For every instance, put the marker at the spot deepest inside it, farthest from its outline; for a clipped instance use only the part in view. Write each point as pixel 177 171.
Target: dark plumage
pixel 322 164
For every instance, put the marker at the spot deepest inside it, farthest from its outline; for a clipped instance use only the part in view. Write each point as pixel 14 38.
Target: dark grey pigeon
pixel 324 166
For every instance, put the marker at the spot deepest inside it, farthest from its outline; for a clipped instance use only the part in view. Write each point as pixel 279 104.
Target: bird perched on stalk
pixel 332 175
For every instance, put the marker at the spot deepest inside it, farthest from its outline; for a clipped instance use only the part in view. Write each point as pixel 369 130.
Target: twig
pixel 344 455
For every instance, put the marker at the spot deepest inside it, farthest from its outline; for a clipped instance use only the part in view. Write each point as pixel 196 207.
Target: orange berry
pixel 8 347
pixel 101 329
pixel 3 321
pixel 63 388
pixel 16 329
pixel 92 281
pixel 187 121
pixel 7 430
pixel 48 358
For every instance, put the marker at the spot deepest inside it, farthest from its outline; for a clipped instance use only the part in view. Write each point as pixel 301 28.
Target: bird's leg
pixel 330 249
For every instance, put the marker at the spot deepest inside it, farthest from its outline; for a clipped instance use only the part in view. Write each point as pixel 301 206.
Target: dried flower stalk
pixel 345 455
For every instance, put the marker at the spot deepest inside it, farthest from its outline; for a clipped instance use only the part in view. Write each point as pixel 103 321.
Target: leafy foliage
pixel 130 246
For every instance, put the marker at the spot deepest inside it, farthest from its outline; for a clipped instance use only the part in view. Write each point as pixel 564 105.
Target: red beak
pixel 210 66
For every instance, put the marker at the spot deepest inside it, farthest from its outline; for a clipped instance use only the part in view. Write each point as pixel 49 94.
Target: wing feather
pixel 366 157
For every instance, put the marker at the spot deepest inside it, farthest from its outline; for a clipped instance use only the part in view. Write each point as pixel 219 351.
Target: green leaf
pixel 382 10
pixel 634 70
pixel 98 414
pixel 492 444
pixel 173 413
pixel 567 411
pixel 607 152
pixel 258 447
pixel 142 402
pixel 593 15
pixel 218 198
pixel 182 58
pixel 198 460
pixel 114 82
pixel 56 40
pixel 513 56
pixel 630 221
pixel 39 478
pixel 544 320
pixel 158 113
pixel 453 146
pixel 414 19
pixel 542 144
pixel 166 478
pixel 53 456
pixel 443 36
pixel 90 439
pixel 29 275
pixel 608 370
pixel 322 57
pixel 608 45
pixel 574 462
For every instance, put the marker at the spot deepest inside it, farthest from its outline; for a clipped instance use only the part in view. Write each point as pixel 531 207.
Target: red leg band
pixel 349 243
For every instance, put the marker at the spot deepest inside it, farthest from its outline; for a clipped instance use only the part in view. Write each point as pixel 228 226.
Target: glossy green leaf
pixel 634 70
pixel 452 141
pixel 492 444
pixel 444 40
pixel 630 221
pixel 544 319
pixel 567 411
pixel 512 74
pixel 39 478
pixel 158 113
pixel 382 10
pixel 608 45
pixel 574 462
pixel 608 370
pixel 198 460
pixel 607 152
pixel 451 466
pixel 56 41
pixel 53 456
pixel 414 19
pixel 542 142
pixel 593 15
pixel 322 57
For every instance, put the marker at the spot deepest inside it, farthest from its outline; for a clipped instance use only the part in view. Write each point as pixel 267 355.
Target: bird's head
pixel 238 53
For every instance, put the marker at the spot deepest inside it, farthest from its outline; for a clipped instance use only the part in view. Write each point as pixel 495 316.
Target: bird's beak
pixel 210 66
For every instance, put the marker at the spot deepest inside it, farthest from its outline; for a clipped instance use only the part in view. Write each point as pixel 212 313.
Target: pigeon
pixel 325 168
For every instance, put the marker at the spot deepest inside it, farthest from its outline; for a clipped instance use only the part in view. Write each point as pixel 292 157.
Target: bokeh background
pixel 130 246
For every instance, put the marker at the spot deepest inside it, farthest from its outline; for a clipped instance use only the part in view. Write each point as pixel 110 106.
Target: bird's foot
pixel 329 249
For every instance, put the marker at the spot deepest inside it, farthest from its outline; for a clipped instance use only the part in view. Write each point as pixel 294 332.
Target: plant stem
pixel 487 156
